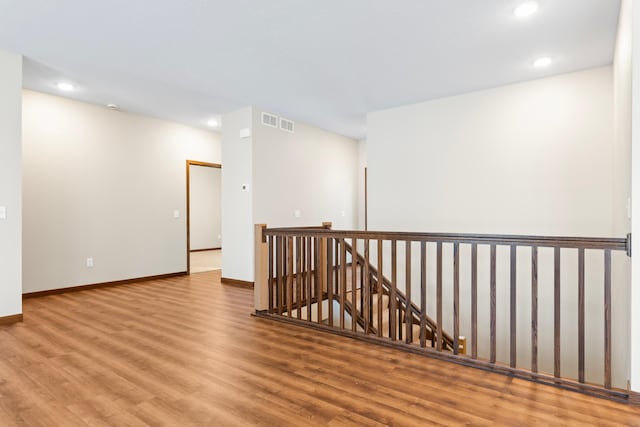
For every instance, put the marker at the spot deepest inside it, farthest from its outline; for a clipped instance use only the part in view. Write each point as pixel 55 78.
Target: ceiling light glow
pixel 542 62
pixel 526 9
pixel 66 87
pixel 213 123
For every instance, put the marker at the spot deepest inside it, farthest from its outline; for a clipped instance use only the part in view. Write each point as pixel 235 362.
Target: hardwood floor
pixel 185 351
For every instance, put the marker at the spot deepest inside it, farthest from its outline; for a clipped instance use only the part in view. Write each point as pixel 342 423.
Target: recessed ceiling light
pixel 112 106
pixel 67 87
pixel 213 123
pixel 543 62
pixel 526 9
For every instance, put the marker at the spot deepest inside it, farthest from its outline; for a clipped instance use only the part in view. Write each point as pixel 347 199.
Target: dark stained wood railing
pixel 315 276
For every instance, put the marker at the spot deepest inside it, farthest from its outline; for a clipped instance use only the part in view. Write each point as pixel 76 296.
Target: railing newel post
pixel 261 269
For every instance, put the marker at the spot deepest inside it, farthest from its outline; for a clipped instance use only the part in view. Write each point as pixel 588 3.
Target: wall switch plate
pixel 343 213
pixel 245 133
pixel 3 212
pixel 176 213
pixel 89 262
pixel 297 213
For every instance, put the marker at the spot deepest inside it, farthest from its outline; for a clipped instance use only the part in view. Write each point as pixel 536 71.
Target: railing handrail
pixel 618 244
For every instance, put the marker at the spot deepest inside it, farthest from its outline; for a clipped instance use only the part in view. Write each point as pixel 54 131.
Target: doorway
pixel 204 231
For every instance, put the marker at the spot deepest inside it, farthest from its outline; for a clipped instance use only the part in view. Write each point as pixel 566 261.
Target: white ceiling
pixel 325 62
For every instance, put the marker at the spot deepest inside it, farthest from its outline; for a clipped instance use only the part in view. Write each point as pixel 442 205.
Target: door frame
pixel 189 164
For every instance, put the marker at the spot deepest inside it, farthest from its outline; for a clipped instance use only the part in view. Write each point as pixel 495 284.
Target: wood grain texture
pixel 100 285
pixel 185 351
pixel 8 320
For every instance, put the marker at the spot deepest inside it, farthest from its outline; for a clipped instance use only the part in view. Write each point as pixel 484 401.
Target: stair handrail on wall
pixel 312 276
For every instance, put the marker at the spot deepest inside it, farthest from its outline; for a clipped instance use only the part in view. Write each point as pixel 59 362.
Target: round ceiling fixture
pixel 526 9
pixel 112 106
pixel 65 87
pixel 212 123
pixel 543 62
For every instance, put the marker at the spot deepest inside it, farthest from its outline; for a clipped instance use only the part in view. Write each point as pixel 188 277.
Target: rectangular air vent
pixel 269 120
pixel 286 125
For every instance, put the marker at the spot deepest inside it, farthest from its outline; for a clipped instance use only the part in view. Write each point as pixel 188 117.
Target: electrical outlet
pixel 89 262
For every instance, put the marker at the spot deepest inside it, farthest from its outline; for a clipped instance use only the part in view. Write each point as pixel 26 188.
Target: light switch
pixel 176 213
pixel 297 213
pixel 3 212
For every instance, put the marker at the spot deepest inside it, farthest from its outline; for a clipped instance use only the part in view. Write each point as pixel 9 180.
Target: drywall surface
pixel 621 209
pixel 633 9
pixel 304 178
pixel 531 158
pixel 362 164
pixel 10 184
pixel 237 196
pixel 205 210
pixel 105 185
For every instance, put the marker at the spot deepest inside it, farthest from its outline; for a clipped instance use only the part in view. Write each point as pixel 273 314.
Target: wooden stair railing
pixel 302 276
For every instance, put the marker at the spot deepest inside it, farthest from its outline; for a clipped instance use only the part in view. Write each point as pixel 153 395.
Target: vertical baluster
pixel 534 309
pixel 408 310
pixel 330 280
pixel 279 275
pixel 474 300
pixel 343 279
pixel 392 297
pixel 299 276
pixel 289 275
pixel 492 291
pixel 456 297
pixel 379 283
pixel 319 274
pixel 309 245
pixel 581 315
pixel 271 281
pixel 556 312
pixel 354 282
pixel 439 298
pixel 423 293
pixel 607 318
pixel 400 318
pixel 513 304
pixel 336 270
pixel 367 288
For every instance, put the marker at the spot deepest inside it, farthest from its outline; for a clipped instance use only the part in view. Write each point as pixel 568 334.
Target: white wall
pixel 530 158
pixel 10 184
pixel 237 205
pixel 633 10
pixel 205 210
pixel 103 184
pixel 621 191
pixel 362 164
pixel 312 170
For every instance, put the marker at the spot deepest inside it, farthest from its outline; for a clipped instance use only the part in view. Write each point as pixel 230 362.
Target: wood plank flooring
pixel 185 351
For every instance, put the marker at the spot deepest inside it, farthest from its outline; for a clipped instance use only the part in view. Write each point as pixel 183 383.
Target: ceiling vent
pixel 270 120
pixel 286 125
